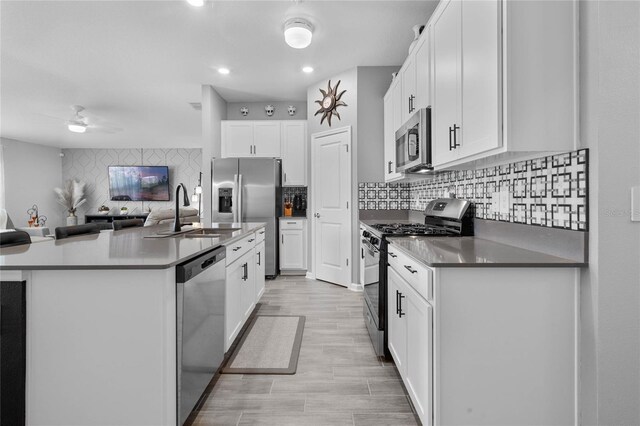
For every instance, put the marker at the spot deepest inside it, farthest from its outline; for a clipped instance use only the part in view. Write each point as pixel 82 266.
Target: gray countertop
pixel 474 252
pixel 124 249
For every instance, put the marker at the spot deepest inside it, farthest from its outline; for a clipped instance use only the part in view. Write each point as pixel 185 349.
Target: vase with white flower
pixel 71 197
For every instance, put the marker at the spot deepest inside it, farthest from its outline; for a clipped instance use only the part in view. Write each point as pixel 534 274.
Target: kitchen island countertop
pixel 124 249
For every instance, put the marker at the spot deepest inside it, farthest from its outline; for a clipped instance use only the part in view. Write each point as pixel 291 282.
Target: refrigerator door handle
pixel 234 198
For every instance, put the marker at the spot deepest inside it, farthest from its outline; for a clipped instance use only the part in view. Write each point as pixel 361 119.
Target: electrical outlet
pixel 635 204
pixel 504 203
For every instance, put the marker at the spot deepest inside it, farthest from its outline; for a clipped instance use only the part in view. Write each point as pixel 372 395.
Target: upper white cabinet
pixel 390 173
pixel 294 153
pixel 266 139
pixel 466 107
pixel 251 139
pixel 237 139
pixel 499 87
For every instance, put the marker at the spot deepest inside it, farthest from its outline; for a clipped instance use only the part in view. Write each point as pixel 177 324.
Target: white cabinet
pixel 260 270
pixel 422 53
pixel 390 173
pixel 237 139
pixel 294 153
pixel 408 81
pixel 466 107
pixel 293 244
pixel 396 93
pixel 397 333
pixel 250 139
pixel 242 282
pixel 266 139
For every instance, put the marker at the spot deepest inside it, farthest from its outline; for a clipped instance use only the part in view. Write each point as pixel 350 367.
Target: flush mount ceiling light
pixel 78 123
pixel 224 71
pixel 196 3
pixel 307 69
pixel 298 33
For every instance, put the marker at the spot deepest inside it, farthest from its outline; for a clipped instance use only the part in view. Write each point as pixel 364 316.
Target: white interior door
pixel 331 190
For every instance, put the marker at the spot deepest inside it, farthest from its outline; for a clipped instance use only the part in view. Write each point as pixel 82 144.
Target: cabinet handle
pixel 237 248
pixel 255 149
pixel 259 258
pixel 285 176
pixel 362 252
pixel 393 255
pixel 411 107
pixel 389 166
pixel 261 232
pixel 252 240
pixel 400 313
pixel 455 138
pixel 450 146
pixel 413 271
pixel 409 103
pixel 397 302
pixel 245 267
pixel 291 223
pixel 282 238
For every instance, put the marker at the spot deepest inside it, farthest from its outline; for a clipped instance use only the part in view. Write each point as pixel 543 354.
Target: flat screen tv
pixel 139 183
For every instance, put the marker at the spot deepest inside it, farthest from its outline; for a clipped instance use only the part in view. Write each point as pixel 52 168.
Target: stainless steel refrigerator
pixel 249 190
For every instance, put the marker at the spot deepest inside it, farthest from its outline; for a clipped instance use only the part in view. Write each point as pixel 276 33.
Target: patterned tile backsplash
pixel 384 196
pixel 91 166
pixel 291 191
pixel 550 191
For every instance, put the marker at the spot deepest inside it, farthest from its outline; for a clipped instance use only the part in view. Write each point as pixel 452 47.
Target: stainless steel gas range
pixel 444 217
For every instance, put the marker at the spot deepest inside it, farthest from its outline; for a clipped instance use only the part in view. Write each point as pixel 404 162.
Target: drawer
pixel 416 274
pixel 260 235
pixel 240 247
pixel 292 223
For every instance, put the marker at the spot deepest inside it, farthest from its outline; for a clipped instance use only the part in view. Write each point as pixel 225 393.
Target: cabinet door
pixel 481 126
pixel 408 86
pixel 248 285
pixel 260 270
pixel 447 74
pixel 419 315
pixel 266 139
pixel 292 249
pixel 390 173
pixel 294 153
pixel 233 305
pixel 237 139
pixel 397 338
pixel 423 70
pixel 396 92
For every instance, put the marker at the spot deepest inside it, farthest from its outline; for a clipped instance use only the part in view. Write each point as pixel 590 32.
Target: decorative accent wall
pixel 91 166
pixel 550 191
pixel 384 196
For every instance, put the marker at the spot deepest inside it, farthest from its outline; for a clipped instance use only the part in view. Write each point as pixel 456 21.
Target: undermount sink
pixel 210 232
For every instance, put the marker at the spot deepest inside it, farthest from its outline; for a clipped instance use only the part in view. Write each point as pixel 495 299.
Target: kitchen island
pixel 101 326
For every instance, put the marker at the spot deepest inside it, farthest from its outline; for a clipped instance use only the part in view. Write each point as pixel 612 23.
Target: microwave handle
pixel 389 166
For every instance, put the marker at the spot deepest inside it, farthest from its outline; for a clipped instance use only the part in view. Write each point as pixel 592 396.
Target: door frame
pixel 353 209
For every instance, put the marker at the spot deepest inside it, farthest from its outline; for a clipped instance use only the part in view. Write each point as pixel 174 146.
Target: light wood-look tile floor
pixel 339 380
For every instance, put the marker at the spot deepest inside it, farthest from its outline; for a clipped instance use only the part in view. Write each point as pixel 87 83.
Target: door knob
pixel 317 215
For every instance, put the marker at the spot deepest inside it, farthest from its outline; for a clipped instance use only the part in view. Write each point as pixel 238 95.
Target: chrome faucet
pixel 176 220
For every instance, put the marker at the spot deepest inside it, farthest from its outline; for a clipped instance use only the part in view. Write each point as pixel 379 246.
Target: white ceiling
pixel 136 65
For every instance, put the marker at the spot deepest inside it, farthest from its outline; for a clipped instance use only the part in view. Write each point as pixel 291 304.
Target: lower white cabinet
pixel 234 311
pixel 485 345
pixel 293 244
pixel 260 269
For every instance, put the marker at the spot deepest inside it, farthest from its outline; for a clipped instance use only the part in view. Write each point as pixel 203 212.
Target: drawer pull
pixel 251 240
pixel 413 271
pixel 261 232
pixel 237 248
pixel 393 255
pixel 292 223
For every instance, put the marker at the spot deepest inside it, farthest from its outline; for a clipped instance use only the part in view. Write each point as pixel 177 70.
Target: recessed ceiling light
pixel 196 3
pixel 298 33
pixel 224 71
pixel 307 69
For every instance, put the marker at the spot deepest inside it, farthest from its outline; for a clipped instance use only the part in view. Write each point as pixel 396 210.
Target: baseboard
pixel 310 276
pixel 356 287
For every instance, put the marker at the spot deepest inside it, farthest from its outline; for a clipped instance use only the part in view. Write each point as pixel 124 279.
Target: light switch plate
pixel 635 204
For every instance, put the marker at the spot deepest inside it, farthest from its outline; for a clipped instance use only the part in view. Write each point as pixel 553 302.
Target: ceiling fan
pixel 79 123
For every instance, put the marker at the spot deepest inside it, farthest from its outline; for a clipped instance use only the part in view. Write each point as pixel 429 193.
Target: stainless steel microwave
pixel 413 143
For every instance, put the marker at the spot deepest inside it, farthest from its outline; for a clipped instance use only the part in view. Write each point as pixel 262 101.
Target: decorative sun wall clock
pixel 329 102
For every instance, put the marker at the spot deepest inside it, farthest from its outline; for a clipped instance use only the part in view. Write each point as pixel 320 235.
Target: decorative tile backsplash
pixel 91 166
pixel 291 191
pixel 550 191
pixel 384 196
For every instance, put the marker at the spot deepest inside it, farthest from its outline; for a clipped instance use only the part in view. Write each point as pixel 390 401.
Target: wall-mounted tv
pixel 139 183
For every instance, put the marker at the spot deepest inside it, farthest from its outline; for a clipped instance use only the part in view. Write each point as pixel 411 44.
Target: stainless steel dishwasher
pixel 200 295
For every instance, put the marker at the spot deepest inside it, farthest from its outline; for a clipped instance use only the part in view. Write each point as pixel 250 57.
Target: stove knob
pixel 374 241
pixel 366 234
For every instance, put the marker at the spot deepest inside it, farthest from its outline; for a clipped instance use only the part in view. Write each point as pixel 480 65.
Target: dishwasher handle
pixel 194 267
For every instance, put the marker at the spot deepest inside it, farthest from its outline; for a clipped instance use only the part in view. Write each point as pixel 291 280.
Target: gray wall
pixel 610 288
pixel 214 109
pixel 256 110
pixel 91 166
pixel 31 172
pixel 373 83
